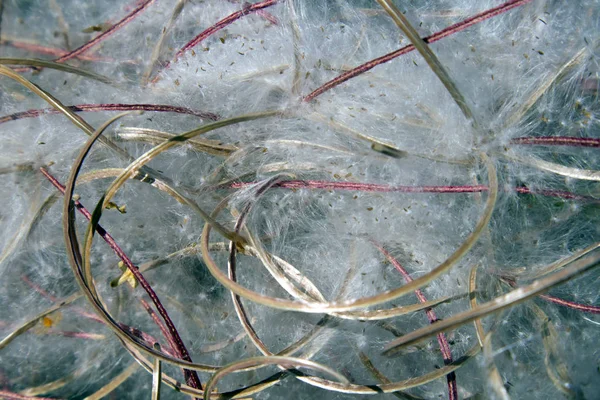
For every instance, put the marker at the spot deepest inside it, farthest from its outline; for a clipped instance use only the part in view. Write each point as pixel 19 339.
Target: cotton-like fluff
pixel 341 167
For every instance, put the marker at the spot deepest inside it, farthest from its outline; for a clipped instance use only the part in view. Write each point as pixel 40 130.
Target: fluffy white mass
pixel 330 172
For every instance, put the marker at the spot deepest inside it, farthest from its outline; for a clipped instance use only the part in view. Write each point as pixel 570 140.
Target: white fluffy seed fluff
pixel 469 165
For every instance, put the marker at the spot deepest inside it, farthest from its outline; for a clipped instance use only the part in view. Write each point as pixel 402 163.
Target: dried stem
pixel 114 383
pixel 355 304
pixel 247 8
pixel 36 48
pixel 160 42
pixel 485 341
pixel 172 331
pixel 559 169
pixel 572 305
pixel 31 323
pixel 156 376
pixel 368 187
pixel 441 337
pixel 557 141
pixel 378 188
pixel 509 299
pixel 509 5
pixel 110 107
pixel 78 310
pixel 265 361
pixel 434 63
pixel 56 66
pixel 85 47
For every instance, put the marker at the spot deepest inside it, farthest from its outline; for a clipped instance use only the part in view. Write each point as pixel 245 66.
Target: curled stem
pixel 265 361
pixel 56 66
pixel 343 306
pixel 510 299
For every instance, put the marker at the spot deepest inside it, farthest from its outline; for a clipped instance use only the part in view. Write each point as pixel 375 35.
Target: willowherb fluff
pixel 299 199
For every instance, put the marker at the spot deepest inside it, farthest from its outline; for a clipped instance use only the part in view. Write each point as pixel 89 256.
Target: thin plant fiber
pixel 300 199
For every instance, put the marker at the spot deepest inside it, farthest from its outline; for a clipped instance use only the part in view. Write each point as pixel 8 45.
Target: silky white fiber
pixel 299 199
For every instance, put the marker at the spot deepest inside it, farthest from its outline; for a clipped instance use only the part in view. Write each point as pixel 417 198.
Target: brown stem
pixel 557 141
pixel 441 337
pixel 565 303
pixel 246 9
pixel 36 48
pixel 193 379
pixel 228 20
pixel 85 47
pixel 570 304
pixel 111 107
pixel 371 187
pixel 172 348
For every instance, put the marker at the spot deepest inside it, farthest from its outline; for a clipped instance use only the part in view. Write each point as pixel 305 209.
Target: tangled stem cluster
pixel 279 242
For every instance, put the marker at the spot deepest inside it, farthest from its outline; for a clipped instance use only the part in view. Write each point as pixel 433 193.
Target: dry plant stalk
pixel 284 177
